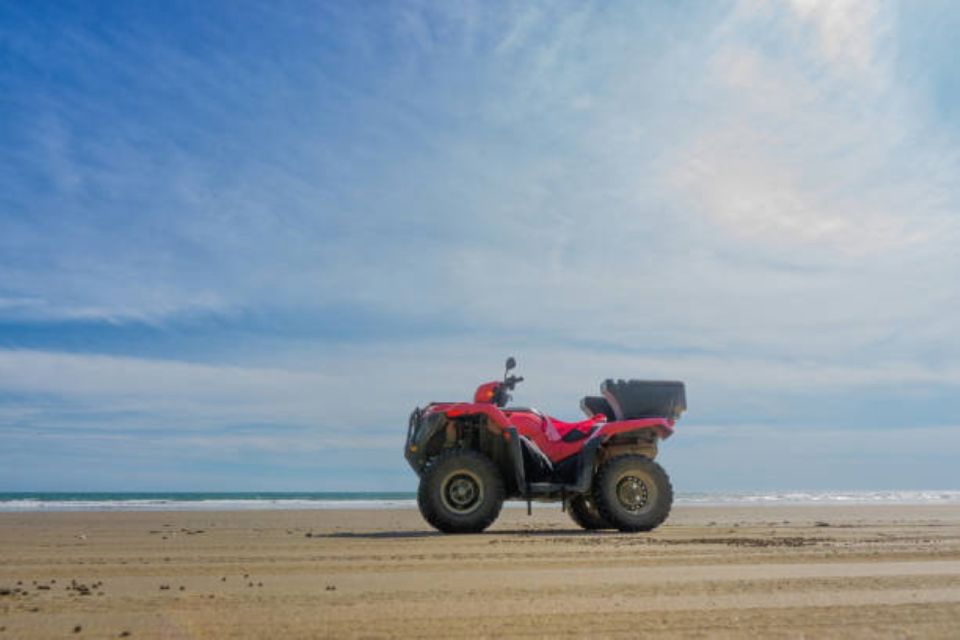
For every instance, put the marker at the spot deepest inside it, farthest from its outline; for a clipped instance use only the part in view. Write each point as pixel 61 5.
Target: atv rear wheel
pixel 584 512
pixel 633 493
pixel 461 491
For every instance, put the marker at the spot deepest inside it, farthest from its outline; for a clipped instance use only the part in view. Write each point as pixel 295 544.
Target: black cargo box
pixel 631 399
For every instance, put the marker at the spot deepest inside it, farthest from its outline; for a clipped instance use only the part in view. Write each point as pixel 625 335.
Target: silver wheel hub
pixel 633 493
pixel 462 492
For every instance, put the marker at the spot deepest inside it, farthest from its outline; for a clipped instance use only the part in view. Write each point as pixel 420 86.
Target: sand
pixel 790 572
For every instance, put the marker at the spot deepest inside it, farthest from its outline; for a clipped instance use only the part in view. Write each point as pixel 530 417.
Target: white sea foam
pixel 198 505
pixel 771 498
pixel 820 497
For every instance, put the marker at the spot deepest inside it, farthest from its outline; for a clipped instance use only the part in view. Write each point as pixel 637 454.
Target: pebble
pixel 77 629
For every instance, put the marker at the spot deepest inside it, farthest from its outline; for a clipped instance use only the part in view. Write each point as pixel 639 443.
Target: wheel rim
pixel 462 492
pixel 636 492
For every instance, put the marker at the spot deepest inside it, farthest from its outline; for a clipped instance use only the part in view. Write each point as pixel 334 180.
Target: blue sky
pixel 239 241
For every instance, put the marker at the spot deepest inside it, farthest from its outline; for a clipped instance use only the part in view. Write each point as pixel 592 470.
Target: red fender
pixel 662 426
pixel 545 432
pixel 460 409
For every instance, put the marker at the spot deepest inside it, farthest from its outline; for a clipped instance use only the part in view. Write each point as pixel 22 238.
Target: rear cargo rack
pixel 634 399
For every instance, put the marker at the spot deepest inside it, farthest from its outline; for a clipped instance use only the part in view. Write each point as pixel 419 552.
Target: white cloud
pixel 847 30
pixel 349 390
pixel 761 190
pixel 797 154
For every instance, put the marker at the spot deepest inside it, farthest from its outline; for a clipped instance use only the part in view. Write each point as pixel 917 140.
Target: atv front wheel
pixel 633 493
pixel 461 491
pixel 584 512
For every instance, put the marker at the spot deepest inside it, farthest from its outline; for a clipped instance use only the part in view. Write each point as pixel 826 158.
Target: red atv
pixel 471 456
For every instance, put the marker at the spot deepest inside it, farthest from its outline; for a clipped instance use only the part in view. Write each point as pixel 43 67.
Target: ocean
pixel 182 501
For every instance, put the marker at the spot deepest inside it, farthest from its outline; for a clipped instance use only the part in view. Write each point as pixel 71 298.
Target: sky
pixel 241 241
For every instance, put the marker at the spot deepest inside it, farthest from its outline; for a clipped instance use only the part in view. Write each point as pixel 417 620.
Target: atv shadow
pixel 379 535
pixel 523 533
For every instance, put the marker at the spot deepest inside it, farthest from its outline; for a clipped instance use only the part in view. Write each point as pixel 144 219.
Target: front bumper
pixel 421 428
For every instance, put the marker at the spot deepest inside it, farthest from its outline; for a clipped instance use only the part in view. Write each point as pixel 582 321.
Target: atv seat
pixel 593 405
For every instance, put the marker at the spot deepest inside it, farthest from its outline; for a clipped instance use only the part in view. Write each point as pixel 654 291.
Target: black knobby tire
pixel 584 512
pixel 632 493
pixel 461 491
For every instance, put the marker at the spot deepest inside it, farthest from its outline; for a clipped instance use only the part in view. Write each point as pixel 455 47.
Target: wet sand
pixel 790 572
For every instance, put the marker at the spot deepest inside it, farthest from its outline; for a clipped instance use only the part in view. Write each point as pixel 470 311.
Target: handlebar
pixel 512 381
pixel 502 395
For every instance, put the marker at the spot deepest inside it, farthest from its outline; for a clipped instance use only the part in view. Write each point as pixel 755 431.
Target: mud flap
pixel 516 457
pixel 587 457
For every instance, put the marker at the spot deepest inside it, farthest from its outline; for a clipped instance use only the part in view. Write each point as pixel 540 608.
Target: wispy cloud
pixel 750 195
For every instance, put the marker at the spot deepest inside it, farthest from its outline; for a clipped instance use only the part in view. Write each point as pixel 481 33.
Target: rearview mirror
pixel 511 363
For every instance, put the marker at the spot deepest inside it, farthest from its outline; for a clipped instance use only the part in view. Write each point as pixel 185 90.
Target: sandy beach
pixel 837 571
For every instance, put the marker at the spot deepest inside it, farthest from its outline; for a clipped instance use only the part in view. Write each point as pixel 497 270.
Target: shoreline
pixel 39 502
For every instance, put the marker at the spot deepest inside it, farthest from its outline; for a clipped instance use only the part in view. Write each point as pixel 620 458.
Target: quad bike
pixel 471 456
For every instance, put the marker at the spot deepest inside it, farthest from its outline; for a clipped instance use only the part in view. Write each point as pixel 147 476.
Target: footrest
pixel 544 487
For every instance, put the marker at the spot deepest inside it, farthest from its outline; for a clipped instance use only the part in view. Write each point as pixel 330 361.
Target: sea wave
pixel 221 502
pixel 29 505
pixel 821 497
